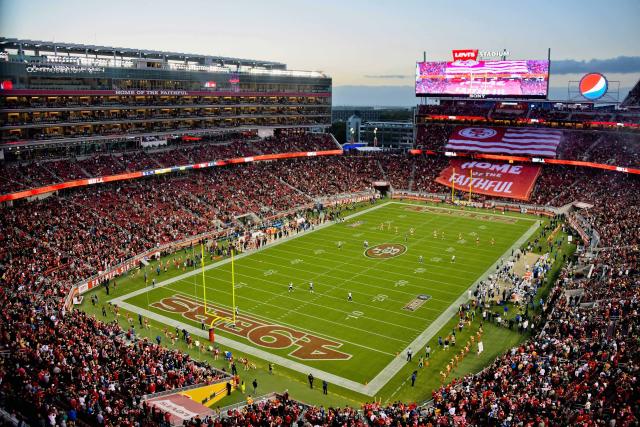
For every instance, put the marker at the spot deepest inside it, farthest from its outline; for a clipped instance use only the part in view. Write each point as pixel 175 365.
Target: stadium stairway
pixel 597 142
pixel 412 176
pixel 296 189
pixel 84 171
pixel 384 174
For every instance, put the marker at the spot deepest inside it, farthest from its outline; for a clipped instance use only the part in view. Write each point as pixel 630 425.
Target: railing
pixel 97 65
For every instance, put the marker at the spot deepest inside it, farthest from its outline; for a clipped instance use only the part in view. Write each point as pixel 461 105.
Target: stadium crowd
pixel 17 175
pixel 620 149
pixel 578 368
pixel 565 114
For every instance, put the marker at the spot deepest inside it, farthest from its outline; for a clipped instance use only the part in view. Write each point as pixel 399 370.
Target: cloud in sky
pixel 620 64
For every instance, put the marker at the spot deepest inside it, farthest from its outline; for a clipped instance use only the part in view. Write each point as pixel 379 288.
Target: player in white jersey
pixel 453 258
pixel 311 286
pixel 420 259
pixel 290 286
pixel 349 297
pixel 365 244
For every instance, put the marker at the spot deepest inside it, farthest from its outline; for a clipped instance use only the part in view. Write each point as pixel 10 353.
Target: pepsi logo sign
pixel 593 86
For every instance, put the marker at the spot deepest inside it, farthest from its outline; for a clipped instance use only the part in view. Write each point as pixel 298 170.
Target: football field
pixel 404 287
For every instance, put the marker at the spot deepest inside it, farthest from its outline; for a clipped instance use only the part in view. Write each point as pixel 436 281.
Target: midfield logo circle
pixel 385 250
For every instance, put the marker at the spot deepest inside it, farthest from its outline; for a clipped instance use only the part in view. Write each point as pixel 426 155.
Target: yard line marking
pixel 421 341
pixel 304 314
pixel 397 261
pixel 302 329
pixel 458 210
pixel 296 279
pixel 286 295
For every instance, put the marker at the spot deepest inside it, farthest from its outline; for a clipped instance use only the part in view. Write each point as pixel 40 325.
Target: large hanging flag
pixel 531 141
pixel 499 179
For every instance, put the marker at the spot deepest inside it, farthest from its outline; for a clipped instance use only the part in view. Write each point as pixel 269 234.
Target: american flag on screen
pixel 486 67
pixel 536 142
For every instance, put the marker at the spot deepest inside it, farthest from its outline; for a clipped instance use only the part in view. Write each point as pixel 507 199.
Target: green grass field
pixel 354 340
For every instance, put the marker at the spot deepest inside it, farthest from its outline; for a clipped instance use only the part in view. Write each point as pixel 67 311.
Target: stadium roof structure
pixel 83 49
pixel 633 97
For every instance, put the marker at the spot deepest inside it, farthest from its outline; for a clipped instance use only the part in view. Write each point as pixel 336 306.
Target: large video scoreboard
pixel 470 78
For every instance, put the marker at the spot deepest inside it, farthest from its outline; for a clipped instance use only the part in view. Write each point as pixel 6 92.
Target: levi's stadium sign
pixel 474 54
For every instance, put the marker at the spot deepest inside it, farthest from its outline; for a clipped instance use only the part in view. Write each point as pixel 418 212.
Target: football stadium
pixel 187 241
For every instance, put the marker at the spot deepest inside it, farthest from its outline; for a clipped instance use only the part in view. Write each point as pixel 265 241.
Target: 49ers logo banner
pixel 491 178
pixel 303 345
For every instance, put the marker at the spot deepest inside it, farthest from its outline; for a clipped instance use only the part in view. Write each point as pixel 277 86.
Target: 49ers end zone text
pixel 276 337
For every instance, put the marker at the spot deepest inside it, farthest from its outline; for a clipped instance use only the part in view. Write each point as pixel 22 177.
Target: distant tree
pixel 399 115
pixel 339 130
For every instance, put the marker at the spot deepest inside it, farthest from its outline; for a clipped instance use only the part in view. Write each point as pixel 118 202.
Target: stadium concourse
pixel 65 367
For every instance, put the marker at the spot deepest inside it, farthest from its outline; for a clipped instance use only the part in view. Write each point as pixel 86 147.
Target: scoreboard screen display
pixel 483 79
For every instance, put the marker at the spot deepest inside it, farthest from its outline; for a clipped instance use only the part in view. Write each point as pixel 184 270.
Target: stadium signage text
pixel 475 54
pixel 500 179
pixel 385 250
pixel 304 345
pixel 465 54
pixel 151 92
pixel 494 167
pixel 63 69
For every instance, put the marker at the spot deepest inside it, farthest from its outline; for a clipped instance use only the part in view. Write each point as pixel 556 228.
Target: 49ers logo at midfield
pixel 386 250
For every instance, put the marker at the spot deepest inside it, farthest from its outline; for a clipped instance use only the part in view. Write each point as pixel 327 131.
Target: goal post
pixel 209 311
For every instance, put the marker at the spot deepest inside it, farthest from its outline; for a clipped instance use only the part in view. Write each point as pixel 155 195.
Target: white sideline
pixel 381 379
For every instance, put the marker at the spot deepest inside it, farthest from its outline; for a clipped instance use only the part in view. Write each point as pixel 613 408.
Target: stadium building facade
pixel 74 93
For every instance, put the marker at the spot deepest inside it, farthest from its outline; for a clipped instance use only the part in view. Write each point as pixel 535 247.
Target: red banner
pixel 491 178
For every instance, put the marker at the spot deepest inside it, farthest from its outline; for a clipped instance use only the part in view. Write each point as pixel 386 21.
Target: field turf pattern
pixel 374 327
